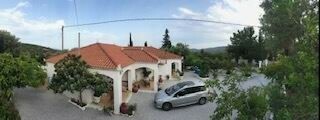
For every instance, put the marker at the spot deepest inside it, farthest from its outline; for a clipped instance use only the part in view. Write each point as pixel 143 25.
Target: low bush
pixel 8 110
pixel 132 108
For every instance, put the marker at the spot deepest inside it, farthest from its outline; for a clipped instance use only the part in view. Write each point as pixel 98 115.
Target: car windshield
pixel 169 91
pixel 172 89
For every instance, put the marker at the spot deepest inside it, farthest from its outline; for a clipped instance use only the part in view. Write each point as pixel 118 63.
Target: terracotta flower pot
pixel 124 108
pixel 135 89
pixel 160 80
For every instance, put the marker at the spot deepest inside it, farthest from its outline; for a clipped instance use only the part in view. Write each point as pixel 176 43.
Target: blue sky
pixel 39 21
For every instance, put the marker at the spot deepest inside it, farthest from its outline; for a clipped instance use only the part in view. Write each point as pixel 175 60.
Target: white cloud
pixel 245 12
pixel 46 32
pixel 31 31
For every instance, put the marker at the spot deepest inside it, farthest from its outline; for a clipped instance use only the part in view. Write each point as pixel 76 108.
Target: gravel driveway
pixel 37 104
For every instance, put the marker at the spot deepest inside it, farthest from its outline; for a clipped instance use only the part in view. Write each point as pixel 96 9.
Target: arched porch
pixel 144 78
pixel 175 69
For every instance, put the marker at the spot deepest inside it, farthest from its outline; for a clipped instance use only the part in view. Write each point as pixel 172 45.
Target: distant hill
pixel 38 50
pixel 212 50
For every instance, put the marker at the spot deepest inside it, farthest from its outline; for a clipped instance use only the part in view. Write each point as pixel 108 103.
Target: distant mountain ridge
pixel 213 50
pixel 38 50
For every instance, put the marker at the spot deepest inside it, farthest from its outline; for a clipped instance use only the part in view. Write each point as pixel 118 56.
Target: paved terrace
pixel 39 104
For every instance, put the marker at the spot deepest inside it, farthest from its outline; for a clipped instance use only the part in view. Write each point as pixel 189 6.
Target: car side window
pixel 202 88
pixel 195 89
pixel 180 93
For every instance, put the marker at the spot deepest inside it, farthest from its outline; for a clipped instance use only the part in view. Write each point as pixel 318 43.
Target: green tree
pixel 181 49
pixel 261 52
pixel 145 44
pixel 192 59
pixel 100 84
pixel 130 41
pixel 16 72
pixel 231 97
pixel 10 43
pixel 244 44
pixel 294 89
pixel 296 76
pixel 19 72
pixel 1 44
pixel 201 51
pixel 166 43
pixel 7 110
pixel 72 75
pixel 282 23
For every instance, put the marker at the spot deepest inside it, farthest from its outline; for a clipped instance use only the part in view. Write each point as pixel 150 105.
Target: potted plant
pixel 160 79
pixel 135 88
pixel 131 109
pixel 124 108
pixel 167 77
pixel 100 87
pixel 97 97
pixel 146 73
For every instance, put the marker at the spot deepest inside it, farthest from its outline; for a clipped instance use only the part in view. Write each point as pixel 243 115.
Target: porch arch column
pixel 131 78
pixel 156 79
pixel 117 92
pixel 180 66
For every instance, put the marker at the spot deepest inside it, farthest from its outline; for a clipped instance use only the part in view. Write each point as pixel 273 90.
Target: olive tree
pixel 19 72
pixel 72 74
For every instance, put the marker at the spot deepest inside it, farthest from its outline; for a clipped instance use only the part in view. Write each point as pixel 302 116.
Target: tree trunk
pixel 289 48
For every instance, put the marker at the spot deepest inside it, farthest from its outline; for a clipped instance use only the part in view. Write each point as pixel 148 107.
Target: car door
pixel 179 98
pixel 193 95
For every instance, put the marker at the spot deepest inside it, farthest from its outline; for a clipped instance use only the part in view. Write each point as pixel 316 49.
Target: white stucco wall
pixel 135 76
pixel 119 73
pixel 50 70
pixel 88 94
pixel 165 69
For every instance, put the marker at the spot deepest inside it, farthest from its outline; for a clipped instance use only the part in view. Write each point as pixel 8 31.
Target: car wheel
pixel 166 106
pixel 202 101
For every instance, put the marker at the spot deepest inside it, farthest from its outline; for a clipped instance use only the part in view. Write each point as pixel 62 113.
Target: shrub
pixel 160 79
pixel 8 110
pixel 145 72
pixel 100 86
pixel 132 108
pixel 246 70
pixel 168 77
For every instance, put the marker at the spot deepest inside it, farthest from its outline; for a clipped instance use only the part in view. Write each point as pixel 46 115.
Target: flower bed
pixel 77 103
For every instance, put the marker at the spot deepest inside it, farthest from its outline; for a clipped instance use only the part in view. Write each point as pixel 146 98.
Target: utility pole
pixel 79 43
pixel 62 37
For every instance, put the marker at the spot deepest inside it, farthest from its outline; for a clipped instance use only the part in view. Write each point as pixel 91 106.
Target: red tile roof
pixel 139 55
pixel 161 53
pixel 109 56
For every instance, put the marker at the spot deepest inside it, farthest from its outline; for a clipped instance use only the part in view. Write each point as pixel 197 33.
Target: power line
pixel 160 19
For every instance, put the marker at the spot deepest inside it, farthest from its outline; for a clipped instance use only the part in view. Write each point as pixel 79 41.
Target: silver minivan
pixel 181 94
